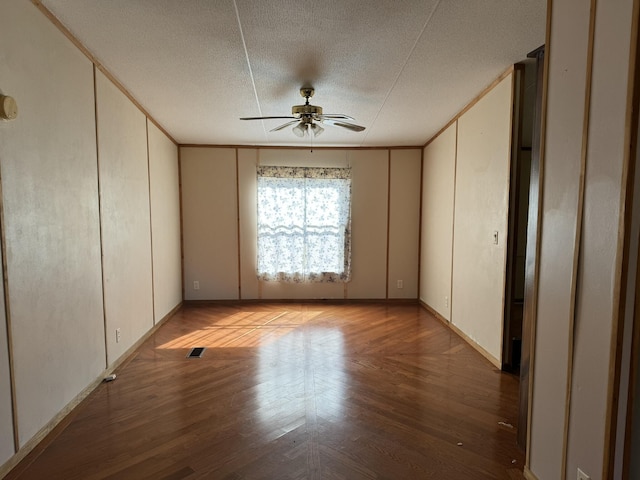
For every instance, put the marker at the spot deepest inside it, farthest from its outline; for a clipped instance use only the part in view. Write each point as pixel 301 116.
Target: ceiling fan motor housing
pixel 308 111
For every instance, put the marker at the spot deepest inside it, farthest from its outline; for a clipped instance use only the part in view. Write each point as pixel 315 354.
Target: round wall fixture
pixel 8 108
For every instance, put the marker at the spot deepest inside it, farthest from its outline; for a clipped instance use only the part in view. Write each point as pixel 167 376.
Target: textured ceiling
pixel 401 68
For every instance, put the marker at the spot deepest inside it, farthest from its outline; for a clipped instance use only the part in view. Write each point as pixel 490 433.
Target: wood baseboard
pixel 433 312
pixel 46 434
pixel 173 311
pixel 494 361
pixel 528 474
pixel 128 355
pixel 61 419
pixel 329 301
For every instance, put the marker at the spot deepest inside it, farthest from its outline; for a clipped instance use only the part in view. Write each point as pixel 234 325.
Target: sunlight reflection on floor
pixel 289 393
pixel 244 330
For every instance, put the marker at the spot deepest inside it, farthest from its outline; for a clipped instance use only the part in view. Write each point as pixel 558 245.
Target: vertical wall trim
pixel 181 220
pixel 238 226
pixel 153 287
pixel 420 221
pixel 623 268
pixel 578 235
pixel 631 414
pixel 7 311
pixel 388 216
pixel 453 222
pixel 104 303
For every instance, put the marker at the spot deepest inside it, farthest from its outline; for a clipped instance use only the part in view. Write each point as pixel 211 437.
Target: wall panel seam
pixel 419 282
pixel 7 311
pixel 104 303
pixel 388 218
pixel 238 226
pixel 153 286
pixel 181 222
pixel 453 222
pixel 577 246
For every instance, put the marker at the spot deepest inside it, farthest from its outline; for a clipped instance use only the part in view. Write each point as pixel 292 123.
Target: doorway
pixel 523 112
pixel 525 192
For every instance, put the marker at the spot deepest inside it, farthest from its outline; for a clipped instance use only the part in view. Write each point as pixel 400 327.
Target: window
pixel 304 224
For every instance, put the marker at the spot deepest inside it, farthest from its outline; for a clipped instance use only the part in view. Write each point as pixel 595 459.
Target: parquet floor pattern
pixel 293 391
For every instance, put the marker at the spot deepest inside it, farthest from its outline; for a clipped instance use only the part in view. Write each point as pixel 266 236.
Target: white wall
pixel 404 222
pixel 52 230
pixel 247 184
pixel 573 354
pixel 50 201
pixel 465 200
pixel 598 277
pixel 369 186
pixel 438 189
pixel 210 223
pixel 481 208
pixel 125 217
pixel 209 178
pixel 165 222
pixel 565 112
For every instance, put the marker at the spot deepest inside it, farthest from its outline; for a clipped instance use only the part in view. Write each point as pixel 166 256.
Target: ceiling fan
pixel 305 118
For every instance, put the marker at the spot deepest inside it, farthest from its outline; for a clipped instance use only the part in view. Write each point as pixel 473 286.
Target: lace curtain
pixel 304 224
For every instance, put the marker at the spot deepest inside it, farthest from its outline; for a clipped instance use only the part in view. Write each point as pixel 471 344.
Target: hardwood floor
pixel 293 391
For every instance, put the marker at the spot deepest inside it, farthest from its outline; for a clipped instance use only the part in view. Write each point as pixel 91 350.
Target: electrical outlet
pixel 196 285
pixel 446 302
pixel 399 284
pixel 118 335
pixel 583 476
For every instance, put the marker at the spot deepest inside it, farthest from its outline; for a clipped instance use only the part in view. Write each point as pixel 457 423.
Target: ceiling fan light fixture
pixel 300 129
pixel 305 117
pixel 316 129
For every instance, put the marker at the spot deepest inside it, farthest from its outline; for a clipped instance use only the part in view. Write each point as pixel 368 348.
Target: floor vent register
pixel 196 352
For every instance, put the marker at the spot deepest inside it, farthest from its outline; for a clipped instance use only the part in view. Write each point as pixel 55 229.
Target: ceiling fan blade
pixel 284 125
pixel 349 126
pixel 263 118
pixel 335 116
